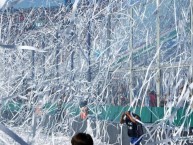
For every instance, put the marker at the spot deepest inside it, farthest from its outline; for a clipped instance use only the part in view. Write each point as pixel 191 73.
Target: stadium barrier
pixel 112 113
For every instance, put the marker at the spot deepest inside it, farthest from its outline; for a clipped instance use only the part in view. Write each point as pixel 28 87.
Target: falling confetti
pixel 77 66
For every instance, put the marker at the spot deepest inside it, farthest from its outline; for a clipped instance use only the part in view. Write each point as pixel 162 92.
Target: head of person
pixel 82 139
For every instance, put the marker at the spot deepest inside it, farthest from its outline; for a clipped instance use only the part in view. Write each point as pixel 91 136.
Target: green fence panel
pixel 13 107
pixel 120 110
pixel 188 122
pixel 117 113
pixel 101 114
pixel 71 108
pixel 144 113
pixel 107 112
pixel 51 108
pixel 110 113
pixel 179 117
pixel 113 113
pixel 191 120
pixel 157 113
pixel 183 118
pixel 101 111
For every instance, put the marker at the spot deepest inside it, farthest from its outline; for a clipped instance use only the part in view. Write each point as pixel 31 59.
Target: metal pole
pixel 131 59
pixel 33 64
pixel 72 65
pixel 43 58
pixel 72 60
pixel 89 51
pixel 191 43
pixel 57 57
pixel 158 83
pixel 108 35
pixel 24 80
pixel 108 42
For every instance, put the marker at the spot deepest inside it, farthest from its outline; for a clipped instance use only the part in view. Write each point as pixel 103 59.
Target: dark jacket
pixel 134 129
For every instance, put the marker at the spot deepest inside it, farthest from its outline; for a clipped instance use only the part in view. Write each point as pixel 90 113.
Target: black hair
pixel 82 139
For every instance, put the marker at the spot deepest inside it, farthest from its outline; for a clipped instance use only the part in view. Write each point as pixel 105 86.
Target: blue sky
pixel 47 3
pixel 38 3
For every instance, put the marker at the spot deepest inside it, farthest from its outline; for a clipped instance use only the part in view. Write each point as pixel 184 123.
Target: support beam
pixel 131 58
pixel 191 43
pixel 89 51
pixel 43 56
pixel 32 64
pixel 158 76
pixel 22 73
pixel 57 57
pixel 72 65
pixel 108 35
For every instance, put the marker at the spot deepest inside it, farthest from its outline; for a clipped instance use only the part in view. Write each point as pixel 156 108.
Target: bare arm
pixel 133 119
pixel 122 120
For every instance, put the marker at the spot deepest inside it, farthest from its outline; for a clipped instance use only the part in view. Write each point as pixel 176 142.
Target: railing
pixel 113 113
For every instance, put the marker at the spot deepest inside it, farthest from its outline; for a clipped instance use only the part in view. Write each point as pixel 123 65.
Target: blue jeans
pixel 135 141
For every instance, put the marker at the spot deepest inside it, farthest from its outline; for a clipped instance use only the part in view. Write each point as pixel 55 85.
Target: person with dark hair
pixel 82 139
pixel 135 129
